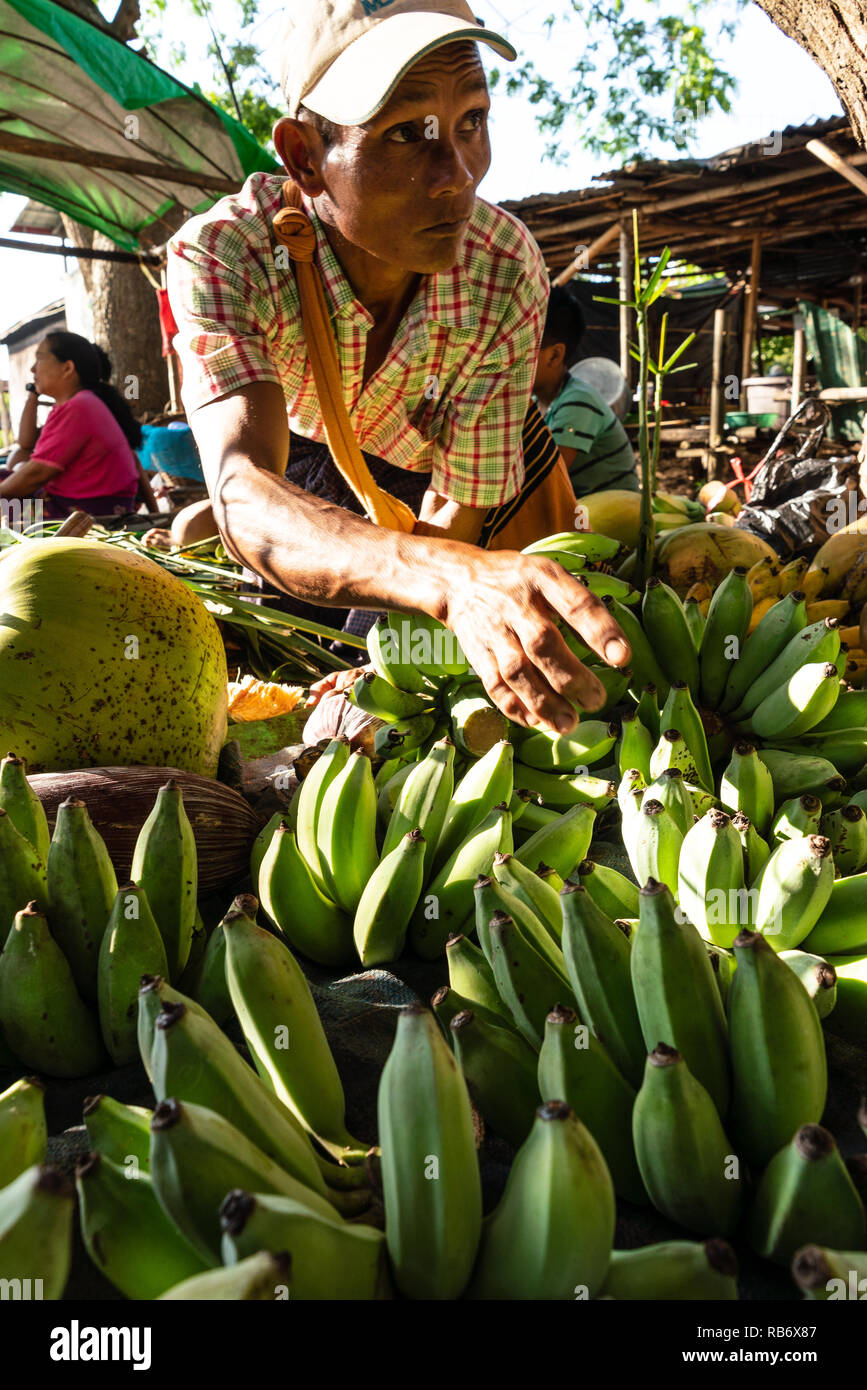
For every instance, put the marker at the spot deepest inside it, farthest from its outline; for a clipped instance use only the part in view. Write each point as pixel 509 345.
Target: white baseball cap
pixel 344 58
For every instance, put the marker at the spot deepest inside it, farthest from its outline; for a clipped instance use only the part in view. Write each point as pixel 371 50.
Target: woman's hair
pixel 94 370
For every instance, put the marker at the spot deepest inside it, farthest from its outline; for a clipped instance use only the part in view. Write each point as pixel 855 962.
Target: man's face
pixel 402 186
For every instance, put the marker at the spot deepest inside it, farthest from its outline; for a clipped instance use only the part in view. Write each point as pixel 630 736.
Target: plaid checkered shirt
pixel 450 397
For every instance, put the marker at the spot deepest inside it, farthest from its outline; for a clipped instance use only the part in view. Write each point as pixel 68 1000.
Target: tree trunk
pixel 123 25
pixel 125 321
pixel 834 33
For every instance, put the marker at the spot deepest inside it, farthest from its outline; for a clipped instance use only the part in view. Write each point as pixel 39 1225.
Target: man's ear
pixel 299 147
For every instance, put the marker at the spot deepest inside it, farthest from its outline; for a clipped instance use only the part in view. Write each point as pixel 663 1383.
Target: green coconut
pixel 105 658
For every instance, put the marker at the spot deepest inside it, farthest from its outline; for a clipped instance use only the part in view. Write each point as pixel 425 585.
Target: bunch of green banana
pixel 664 622
pixel 487 783
pixel 23 1132
pixel 530 888
pixel 674 1269
pixel 312 922
pixel 815 645
pixel 448 906
pixel 728 619
pixel 423 802
pixel 346 832
pixel 309 800
pixel 574 550
pixel 562 843
pixel 389 900
pixel 551 1234
pixel 164 864
pixel 527 983
pixel 472 980
pixel 492 897
pixel 36 1211
pixel 806 1195
pixel 777 1051
pixel 81 889
pixel 430 1175
pixel 684 1155
pixel 783 621
pixel 330 1260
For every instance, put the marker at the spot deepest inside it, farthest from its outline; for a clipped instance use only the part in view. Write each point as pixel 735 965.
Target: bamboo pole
pixel 834 161
pixel 83 253
pixel 588 254
pixel 798 361
pixel 717 399
pixel 96 159
pixel 751 306
pixel 626 287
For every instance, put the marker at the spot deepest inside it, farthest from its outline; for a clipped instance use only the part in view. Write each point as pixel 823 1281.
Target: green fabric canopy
pixel 64 84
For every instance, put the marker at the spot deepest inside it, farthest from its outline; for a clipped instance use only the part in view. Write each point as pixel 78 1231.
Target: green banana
pixel 264 838
pixel 421 642
pixel 597 958
pixel 198 945
pixel 793 775
pixel 423 801
pixel 311 922
pixel 648 706
pixel 330 1260
pixel 756 851
pixel 261 1278
pixel 674 1269
pixel 346 832
pixel 23 1132
pixel 121 1133
pixel 842 927
pixel 845 748
pixel 728 619
pixel 574 1065
pixel 561 790
pixel 813 645
pixel 45 1020
pixel 630 793
pixel 777 1051
pixel 795 707
pixel 377 696
pixel 569 752
pixel 615 681
pixel 283 1031
pixel 500 1071
pixel 668 633
pixel 676 994
pixel 488 782
pixel 847 831
pixel 806 1194
pixel 793 889
pixel 196 1157
pixel 526 982
pixel 447 1003
pixel 562 843
pixel 710 879
pixel 208 985
pixel 783 621
pixel 723 964
pixel 669 789
pixel 471 978
pixel 532 891
pixel 491 896
pixel 389 900
pixel 550 1236
pixel 646 669
pixel 695 620
pixel 534 817
pixel 192 1060
pixel 23 807
pixel 310 796
pixel 383 648
pixel 127 1233
pixel 800 815
pixel 830 1274
pixel 653 842
pixel 684 1155
pixel 36 1211
pixel 850 1010
pixel 817 976
pixel 431 1185
pixel 405 737
pixel 164 864
pixel 588 545
pixel 611 891
pixel 153 992
pixel 747 786
pixel 850 712
pixel 81 890
pixel 448 905
pixel 131 947
pixel 702 801
pixel 518 803
pixel 635 746
pixel 672 750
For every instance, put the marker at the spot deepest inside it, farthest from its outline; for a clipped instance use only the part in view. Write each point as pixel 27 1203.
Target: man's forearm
pixel 323 554
pixel 27 430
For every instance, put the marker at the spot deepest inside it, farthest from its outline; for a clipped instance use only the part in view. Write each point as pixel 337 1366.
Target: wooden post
pixel 798 361
pixel 5 422
pixel 717 398
pixel 856 308
pixel 751 305
pixel 626 290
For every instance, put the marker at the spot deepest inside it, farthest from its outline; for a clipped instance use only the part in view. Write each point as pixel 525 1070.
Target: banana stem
pixel 644 558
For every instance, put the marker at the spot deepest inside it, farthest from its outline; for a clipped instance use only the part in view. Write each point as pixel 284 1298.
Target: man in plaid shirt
pixel 437 301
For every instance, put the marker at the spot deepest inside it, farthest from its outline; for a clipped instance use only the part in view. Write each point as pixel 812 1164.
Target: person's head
pixel 66 363
pixel 387 124
pixel 561 340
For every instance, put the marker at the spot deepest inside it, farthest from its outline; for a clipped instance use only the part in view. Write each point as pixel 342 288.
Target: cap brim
pixel 361 80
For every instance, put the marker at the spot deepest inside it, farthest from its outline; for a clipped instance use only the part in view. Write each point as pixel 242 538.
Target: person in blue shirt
pixel 590 437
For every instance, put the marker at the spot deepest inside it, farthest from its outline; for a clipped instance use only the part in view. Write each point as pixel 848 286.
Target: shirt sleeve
pixel 61 438
pixel 478 461
pixel 220 296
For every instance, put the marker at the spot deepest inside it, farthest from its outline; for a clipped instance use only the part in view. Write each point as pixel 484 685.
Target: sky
pixel 778 85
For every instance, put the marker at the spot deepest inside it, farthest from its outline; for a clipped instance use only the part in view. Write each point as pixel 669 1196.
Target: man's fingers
pixel 586 614
pixel 563 672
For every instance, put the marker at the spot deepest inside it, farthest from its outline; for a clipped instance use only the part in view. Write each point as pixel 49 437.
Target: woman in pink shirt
pixel 84 456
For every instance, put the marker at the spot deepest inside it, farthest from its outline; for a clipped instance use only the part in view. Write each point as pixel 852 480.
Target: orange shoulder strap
pixel 294 230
